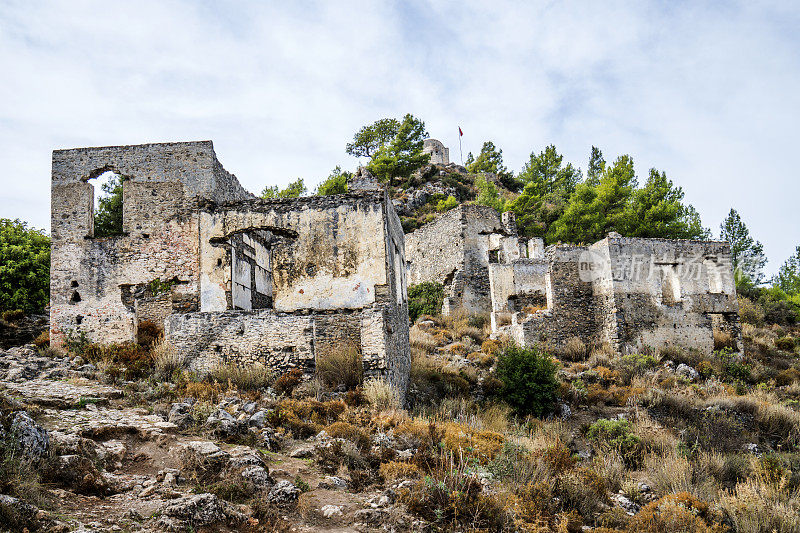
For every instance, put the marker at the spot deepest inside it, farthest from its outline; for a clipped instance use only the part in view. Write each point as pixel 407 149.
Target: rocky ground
pixel 669 441
pixel 118 467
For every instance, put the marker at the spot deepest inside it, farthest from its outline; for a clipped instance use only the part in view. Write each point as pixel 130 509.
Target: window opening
pixel 107 205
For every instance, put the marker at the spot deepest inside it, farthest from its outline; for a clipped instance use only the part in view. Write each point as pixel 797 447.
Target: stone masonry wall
pixel 667 292
pixel 632 294
pixel 160 241
pixel 570 303
pixel 454 250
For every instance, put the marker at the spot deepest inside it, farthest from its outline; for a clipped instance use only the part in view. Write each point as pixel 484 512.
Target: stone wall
pixel 456 250
pixel 89 275
pixel 328 252
pixel 632 294
pixel 338 272
pixel 518 284
pixel 232 278
pixel 440 154
pixel 666 292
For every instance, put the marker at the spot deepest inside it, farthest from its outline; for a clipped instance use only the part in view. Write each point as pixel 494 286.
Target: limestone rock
pixel 688 372
pixel 17 513
pixel 258 476
pixel 198 510
pixel 62 394
pixel 625 503
pixel 258 419
pixel 330 511
pixel 332 483
pixel 33 439
pixel 181 415
pixel 283 493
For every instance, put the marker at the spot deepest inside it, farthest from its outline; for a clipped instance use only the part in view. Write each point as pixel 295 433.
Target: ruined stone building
pixel 629 293
pixel 228 276
pixel 457 248
pixel 440 154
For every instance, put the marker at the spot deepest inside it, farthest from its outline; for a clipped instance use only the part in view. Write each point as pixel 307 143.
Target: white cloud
pixel 708 93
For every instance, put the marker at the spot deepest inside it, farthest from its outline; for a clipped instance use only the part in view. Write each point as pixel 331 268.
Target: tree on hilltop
pixel 371 138
pixel 788 278
pixel 490 160
pixel 403 155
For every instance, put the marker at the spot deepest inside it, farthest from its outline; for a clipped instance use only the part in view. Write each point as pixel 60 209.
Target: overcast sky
pixel 708 92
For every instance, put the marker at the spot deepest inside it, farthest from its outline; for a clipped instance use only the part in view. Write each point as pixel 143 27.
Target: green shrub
pixel 616 434
pixel 447 204
pixel 529 379
pixel 336 183
pixel 425 298
pixel 24 267
pixel 785 343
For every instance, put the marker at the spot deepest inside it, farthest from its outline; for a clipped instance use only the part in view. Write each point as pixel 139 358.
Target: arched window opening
pixel 107 215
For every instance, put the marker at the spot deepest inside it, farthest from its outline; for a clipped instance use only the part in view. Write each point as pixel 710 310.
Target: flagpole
pixel 461 153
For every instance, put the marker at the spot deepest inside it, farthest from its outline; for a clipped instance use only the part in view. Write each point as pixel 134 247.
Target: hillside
pixel 668 441
pixel 428 192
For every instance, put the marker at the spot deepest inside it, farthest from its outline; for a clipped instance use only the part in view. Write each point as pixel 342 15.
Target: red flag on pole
pixel 460 133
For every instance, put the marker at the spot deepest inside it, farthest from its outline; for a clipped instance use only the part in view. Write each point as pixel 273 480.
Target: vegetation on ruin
pixel 425 299
pixel 295 189
pixel 335 183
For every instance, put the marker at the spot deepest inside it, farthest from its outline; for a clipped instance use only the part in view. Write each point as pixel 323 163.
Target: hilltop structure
pixel 228 276
pixel 440 154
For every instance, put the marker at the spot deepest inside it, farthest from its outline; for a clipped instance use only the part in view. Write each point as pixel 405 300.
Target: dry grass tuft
pixel 167 359
pixel 381 395
pixel 394 470
pixel 243 378
pixel 422 340
pixel 575 350
pixel 723 339
pixel 341 365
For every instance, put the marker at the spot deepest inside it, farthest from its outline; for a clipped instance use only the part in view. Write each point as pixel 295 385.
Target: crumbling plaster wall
pixel 89 275
pixel 519 283
pixel 338 272
pixel 629 293
pixel 570 303
pixel 454 250
pixel 330 253
pixel 666 292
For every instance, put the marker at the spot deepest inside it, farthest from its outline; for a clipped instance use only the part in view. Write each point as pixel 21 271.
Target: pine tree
pixel 490 160
pixel 596 166
pixel 371 138
pixel 108 217
pixel 546 173
pixel 747 254
pixel 788 278
pixel 657 210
